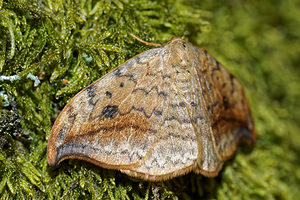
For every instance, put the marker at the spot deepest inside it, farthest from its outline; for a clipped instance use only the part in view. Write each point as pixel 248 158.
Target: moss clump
pixel 45 43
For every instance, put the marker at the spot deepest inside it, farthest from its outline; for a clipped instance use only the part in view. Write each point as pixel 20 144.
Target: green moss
pixel 81 40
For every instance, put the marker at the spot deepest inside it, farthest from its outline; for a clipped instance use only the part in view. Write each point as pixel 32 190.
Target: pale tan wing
pixel 226 107
pixel 176 149
pixel 110 123
pixel 191 136
pixel 159 115
pixel 185 140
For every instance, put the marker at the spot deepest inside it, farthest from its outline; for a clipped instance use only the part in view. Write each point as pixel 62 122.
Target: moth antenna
pixel 146 43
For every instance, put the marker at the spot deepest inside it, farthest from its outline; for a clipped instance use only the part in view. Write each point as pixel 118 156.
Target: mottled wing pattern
pixel 163 113
pixel 175 150
pixel 129 125
pixel 185 135
pixel 226 108
pixel 106 122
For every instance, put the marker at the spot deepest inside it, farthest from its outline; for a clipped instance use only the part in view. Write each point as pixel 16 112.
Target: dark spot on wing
pixel 207 109
pixel 181 104
pixel 224 85
pixel 90 91
pixel 108 94
pixel 158 112
pixel 118 72
pixel 72 118
pixel 109 111
pixel 91 94
pixel 162 93
pixel 193 104
pixel 138 59
pixel 225 102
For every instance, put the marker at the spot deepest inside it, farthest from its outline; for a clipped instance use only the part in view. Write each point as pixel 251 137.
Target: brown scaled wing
pixel 152 122
pixel 227 109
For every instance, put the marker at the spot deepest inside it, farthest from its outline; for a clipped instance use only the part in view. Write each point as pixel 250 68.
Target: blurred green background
pixel 43 43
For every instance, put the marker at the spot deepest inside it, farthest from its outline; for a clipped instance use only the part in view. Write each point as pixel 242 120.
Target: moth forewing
pixel 161 114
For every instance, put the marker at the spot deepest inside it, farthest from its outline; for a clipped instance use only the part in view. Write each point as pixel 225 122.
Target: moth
pixel 163 113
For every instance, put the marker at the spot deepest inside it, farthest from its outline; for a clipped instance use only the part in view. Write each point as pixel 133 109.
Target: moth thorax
pixel 181 54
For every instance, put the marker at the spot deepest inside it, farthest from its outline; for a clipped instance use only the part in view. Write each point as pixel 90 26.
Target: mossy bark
pixel 45 43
